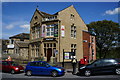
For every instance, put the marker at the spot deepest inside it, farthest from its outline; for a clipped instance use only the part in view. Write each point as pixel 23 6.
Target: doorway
pixel 49 54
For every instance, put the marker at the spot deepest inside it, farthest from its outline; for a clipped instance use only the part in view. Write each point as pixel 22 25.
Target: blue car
pixel 43 68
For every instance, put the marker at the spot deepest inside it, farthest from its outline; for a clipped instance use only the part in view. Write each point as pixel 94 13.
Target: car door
pixel 44 68
pixel 35 68
pixel 108 65
pixel 3 66
pixel 6 66
pixel 96 66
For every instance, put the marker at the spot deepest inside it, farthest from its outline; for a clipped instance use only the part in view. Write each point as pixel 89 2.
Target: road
pixel 67 76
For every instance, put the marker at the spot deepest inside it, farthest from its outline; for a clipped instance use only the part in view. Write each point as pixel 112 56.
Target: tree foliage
pixel 107 36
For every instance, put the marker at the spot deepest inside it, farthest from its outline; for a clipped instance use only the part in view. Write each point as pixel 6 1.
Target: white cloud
pixel 113 12
pixel 26 27
pixel 10 26
pixel 8 29
pixel 21 24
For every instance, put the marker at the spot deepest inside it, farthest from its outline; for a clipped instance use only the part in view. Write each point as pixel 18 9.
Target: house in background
pixel 21 49
pixel 89 46
pixel 3 45
pixel 19 45
pixel 50 34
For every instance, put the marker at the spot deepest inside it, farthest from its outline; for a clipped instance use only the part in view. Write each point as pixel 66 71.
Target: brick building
pixel 50 34
pixel 89 46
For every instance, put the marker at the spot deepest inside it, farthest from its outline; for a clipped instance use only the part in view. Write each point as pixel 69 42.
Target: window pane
pixel 44 45
pixel 54 52
pixel 50 44
pixel 45 52
pixel 48 25
pixel 47 45
pixel 48 29
pixel 48 33
pixel 52 29
pixel 52 25
pixel 54 45
pixel 52 33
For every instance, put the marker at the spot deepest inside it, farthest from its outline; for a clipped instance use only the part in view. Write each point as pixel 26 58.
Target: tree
pixel 106 35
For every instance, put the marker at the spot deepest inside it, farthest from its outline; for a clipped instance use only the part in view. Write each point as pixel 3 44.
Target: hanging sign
pixel 62 31
pixel 43 30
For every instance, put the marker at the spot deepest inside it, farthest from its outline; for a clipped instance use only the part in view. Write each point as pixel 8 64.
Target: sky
pixel 16 16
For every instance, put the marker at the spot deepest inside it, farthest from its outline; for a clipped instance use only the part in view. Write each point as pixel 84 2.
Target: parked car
pixel 12 67
pixel 101 66
pixel 43 68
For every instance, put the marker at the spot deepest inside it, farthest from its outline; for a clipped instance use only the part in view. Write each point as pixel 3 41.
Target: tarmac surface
pixel 68 76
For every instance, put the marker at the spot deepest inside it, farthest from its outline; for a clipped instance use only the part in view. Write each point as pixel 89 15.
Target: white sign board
pixel 66 55
pixel 62 31
pixel 10 46
pixel 43 30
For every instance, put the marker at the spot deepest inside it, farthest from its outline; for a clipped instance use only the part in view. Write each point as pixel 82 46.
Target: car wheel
pixel 117 71
pixel 87 72
pixel 12 71
pixel 54 73
pixel 28 73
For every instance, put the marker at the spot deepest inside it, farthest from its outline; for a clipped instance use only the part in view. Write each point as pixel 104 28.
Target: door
pixel 108 66
pixel 96 67
pixel 35 68
pixel 40 68
pixel 5 66
pixel 45 68
pixel 49 54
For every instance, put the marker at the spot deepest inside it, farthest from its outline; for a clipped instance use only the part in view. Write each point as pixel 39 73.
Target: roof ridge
pixel 64 8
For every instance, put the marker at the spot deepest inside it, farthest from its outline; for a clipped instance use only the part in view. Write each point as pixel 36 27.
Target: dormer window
pixel 35 23
pixel 72 16
pixel 35 17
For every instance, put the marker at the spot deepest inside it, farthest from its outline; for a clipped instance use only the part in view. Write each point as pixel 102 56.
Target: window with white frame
pixel 35 32
pixel 50 31
pixel 37 50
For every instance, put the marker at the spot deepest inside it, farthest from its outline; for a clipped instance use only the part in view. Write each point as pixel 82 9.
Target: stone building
pixel 21 49
pixel 18 45
pixel 3 45
pixel 51 34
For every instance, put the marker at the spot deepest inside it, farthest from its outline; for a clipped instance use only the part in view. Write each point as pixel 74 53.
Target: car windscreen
pixel 118 60
pixel 14 64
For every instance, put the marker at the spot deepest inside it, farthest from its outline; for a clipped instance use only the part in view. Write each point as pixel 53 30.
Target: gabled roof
pixel 20 36
pixel 46 14
pixel 63 9
pixel 43 14
pixel 92 34
pixel 22 44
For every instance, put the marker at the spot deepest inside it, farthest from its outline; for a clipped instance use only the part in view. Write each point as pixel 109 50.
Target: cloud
pixel 10 26
pixel 15 24
pixel 26 27
pixel 112 12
